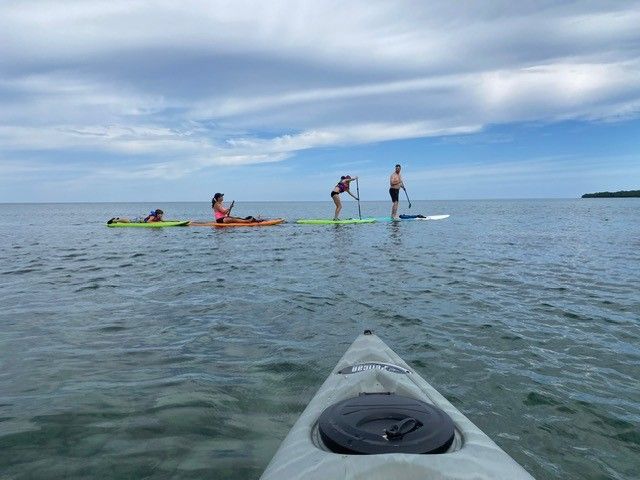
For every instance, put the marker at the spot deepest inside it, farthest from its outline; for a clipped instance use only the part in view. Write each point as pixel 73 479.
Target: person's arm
pixel 349 180
pixel 230 207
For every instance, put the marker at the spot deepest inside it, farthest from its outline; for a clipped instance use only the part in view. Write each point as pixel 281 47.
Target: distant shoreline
pixel 620 194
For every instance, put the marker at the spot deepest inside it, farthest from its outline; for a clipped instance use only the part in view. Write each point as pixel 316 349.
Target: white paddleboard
pixel 433 217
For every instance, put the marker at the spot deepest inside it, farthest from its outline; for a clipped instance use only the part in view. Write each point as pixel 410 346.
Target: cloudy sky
pixel 164 100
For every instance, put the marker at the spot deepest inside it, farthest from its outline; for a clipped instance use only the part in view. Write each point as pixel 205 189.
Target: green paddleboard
pixel 326 221
pixel 172 223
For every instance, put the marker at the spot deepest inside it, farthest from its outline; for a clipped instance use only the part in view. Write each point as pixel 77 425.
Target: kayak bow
pixel 374 405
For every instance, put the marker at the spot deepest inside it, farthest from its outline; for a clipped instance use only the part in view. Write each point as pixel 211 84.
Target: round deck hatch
pixel 374 423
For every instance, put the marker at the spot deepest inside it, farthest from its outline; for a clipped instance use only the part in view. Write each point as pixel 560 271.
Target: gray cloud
pixel 250 82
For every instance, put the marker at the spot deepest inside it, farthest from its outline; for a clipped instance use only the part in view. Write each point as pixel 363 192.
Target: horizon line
pixel 303 201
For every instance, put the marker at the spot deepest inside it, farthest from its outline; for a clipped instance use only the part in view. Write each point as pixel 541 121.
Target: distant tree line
pixel 622 193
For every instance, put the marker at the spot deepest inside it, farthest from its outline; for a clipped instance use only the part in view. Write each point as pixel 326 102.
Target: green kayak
pixel 170 223
pixel 326 221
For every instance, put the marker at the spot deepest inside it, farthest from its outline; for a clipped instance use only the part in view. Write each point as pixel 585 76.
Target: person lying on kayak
pixel 154 216
pixel 342 186
pixel 222 214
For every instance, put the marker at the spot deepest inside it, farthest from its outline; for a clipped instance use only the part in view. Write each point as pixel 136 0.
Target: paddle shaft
pixel 405 192
pixel 358 193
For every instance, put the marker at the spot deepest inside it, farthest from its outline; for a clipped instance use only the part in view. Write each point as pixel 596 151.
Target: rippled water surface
pixel 190 352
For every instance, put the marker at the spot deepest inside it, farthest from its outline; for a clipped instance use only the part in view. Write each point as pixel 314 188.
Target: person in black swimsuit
pixel 396 184
pixel 342 186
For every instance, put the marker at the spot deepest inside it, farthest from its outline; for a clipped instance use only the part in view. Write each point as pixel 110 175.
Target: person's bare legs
pixel 336 200
pixel 394 210
pixel 238 220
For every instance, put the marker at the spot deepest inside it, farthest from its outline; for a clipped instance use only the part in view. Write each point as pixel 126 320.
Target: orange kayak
pixel 263 223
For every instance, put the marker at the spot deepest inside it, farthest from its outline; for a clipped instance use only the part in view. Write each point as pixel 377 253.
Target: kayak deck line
pixel 369 366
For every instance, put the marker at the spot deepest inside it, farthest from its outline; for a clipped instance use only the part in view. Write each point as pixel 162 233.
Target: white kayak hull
pixel 302 454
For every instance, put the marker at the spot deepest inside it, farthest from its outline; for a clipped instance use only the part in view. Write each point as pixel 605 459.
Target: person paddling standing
pixel 342 186
pixel 394 190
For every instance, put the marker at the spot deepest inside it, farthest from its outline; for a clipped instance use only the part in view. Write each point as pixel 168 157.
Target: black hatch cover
pixel 373 423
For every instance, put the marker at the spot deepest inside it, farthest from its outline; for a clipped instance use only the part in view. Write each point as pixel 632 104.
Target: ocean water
pixel 190 352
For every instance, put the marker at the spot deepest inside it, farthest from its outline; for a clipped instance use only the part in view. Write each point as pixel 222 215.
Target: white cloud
pixel 199 84
pixel 556 91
